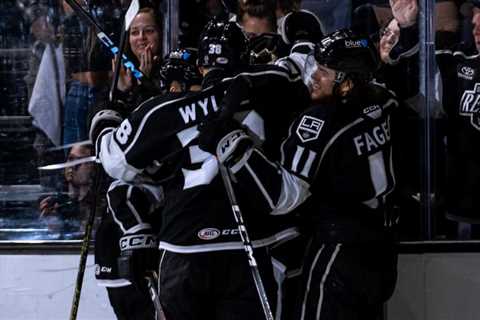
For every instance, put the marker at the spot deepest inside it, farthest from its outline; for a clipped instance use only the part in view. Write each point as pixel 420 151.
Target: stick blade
pixel 131 13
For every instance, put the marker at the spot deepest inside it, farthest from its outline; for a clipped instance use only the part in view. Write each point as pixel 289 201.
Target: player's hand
pixel 405 12
pixel 138 255
pixel 224 138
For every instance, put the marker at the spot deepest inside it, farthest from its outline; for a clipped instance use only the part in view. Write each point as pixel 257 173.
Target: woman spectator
pixel 66 211
pixel 144 46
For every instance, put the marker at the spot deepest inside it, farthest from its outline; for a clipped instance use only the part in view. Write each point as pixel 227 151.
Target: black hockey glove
pixel 226 139
pixel 138 255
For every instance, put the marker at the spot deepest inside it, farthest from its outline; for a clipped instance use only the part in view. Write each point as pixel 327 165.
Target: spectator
pixel 333 14
pixel 258 20
pixel 257 17
pixel 46 104
pixel 67 212
pixel 43 33
pixel 145 48
pixel 87 73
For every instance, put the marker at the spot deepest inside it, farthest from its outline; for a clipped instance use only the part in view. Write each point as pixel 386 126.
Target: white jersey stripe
pixel 308 164
pixel 261 186
pixel 132 207
pixel 187 135
pixel 289 233
pixel 118 222
pixel 296 158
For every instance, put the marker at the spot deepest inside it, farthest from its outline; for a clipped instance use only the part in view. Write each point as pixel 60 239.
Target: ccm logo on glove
pixel 138 242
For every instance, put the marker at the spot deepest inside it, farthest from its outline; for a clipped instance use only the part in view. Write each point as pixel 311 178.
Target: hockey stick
pixel 105 39
pixel 247 244
pixel 67 164
pixel 152 280
pixel 85 244
pixel 129 16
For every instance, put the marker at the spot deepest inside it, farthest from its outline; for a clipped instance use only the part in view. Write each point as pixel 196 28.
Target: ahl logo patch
pixel 309 128
pixel 208 233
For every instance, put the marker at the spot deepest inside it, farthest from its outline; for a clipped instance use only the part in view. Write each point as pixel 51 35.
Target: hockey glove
pixel 301 25
pixel 225 139
pixel 103 119
pixel 138 255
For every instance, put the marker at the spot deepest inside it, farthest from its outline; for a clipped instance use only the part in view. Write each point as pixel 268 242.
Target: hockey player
pixel 336 163
pixel 300 30
pixel 134 207
pixel 201 249
pixel 179 71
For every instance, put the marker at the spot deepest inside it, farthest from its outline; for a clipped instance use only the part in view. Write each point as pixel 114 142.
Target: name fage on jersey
pixel 373 139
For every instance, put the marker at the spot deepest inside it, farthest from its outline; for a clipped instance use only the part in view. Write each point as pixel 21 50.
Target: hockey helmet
pixel 350 56
pixel 346 52
pixel 223 45
pixel 179 65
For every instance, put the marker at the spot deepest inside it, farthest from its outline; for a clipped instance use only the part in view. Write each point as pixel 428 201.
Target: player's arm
pixel 252 89
pixel 132 208
pixel 270 184
pixel 277 187
pixel 132 205
pixel 125 147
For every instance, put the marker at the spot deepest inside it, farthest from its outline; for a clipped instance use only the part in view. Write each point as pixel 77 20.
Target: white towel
pixel 48 94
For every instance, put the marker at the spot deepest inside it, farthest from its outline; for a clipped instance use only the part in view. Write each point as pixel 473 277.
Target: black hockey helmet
pixel 180 65
pixel 223 44
pixel 302 25
pixel 343 51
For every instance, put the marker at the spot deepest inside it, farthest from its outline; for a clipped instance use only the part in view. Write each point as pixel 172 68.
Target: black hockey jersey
pixel 157 142
pixel 337 156
pixel 460 70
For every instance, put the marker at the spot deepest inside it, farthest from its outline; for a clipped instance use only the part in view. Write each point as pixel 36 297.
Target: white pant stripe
pixel 160 271
pixel 324 277
pixel 307 289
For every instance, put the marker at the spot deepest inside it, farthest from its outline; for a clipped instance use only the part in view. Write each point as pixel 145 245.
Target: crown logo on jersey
pixel 309 128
